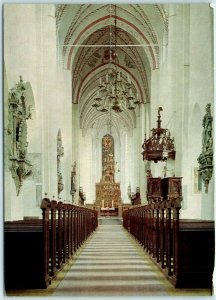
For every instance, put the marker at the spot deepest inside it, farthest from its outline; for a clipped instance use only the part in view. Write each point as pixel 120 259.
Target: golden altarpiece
pixel 108 194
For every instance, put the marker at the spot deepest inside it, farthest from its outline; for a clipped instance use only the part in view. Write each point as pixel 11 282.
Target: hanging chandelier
pixel 115 91
pixel 160 146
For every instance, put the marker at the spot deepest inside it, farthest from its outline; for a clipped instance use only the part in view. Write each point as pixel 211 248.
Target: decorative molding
pixel 205 159
pixel 60 153
pixel 19 112
pixel 60 11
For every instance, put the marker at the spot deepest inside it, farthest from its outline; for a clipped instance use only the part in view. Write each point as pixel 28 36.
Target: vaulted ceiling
pixel 85 32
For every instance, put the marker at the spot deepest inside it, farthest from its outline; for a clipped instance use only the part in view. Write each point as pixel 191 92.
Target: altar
pixel 108 197
pixel 109 212
pixel 108 193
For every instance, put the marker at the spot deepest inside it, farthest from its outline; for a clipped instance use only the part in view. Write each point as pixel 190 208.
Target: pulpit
pixel 167 188
pixel 154 189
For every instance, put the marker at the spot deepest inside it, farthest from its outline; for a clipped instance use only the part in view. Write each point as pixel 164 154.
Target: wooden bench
pixel 196 248
pixel 35 250
pixel 24 255
pixel 182 249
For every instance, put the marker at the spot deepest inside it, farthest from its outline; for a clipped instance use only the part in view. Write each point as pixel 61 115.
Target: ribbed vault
pixel 85 32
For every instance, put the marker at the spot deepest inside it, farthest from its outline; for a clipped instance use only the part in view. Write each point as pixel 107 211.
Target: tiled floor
pixel 112 263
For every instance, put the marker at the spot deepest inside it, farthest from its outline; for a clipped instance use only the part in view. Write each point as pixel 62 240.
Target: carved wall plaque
pixel 73 181
pixel 205 159
pixel 18 114
pixel 60 153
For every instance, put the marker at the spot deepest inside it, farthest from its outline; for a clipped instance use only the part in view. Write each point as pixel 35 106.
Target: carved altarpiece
pixel 108 194
pixel 108 165
pixel 18 114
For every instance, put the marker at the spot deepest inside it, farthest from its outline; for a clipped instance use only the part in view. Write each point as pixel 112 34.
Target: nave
pixel 108 112
pixel 111 263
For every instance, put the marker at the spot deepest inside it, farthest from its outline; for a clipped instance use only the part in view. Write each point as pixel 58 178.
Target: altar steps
pixel 110 221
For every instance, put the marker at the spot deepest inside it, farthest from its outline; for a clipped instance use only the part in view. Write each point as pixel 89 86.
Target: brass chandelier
pixel 115 91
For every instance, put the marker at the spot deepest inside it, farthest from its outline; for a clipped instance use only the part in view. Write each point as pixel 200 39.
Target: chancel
pixel 108 149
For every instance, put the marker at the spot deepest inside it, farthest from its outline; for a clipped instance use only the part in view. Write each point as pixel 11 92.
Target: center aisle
pixel 111 263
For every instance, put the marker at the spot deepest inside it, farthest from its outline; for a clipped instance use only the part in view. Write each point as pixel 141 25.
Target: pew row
pixel 35 250
pixel 183 250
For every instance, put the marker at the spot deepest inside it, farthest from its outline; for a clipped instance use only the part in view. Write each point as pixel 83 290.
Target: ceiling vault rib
pixel 120 19
pixel 107 45
pixel 85 32
pixel 80 86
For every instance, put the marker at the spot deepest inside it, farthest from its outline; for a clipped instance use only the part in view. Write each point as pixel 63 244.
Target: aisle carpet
pixel 112 264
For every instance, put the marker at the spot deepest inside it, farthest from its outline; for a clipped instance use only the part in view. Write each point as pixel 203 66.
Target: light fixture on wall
pixel 159 146
pixel 115 91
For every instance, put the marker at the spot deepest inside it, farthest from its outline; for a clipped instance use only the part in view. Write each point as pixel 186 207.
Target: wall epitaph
pixel 18 114
pixel 205 159
pixel 60 153
pixel 73 181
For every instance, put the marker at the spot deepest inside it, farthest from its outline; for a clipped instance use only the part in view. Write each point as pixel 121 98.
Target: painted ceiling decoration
pixel 84 41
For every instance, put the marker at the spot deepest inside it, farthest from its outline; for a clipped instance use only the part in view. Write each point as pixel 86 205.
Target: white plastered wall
pixel 200 93
pixel 183 85
pixel 30 51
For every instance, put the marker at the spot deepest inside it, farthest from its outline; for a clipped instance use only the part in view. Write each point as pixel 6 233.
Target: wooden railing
pixel 65 228
pixel 44 246
pixel 155 226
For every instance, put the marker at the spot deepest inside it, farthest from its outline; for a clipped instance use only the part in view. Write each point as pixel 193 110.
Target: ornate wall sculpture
pixel 205 159
pixel 19 112
pixel 60 153
pixel 73 181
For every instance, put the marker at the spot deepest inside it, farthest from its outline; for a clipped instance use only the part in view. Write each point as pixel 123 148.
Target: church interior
pixel 108 143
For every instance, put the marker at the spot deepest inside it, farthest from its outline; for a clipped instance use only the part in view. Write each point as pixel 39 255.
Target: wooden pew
pixel 196 249
pixel 24 255
pixel 35 250
pixel 182 249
